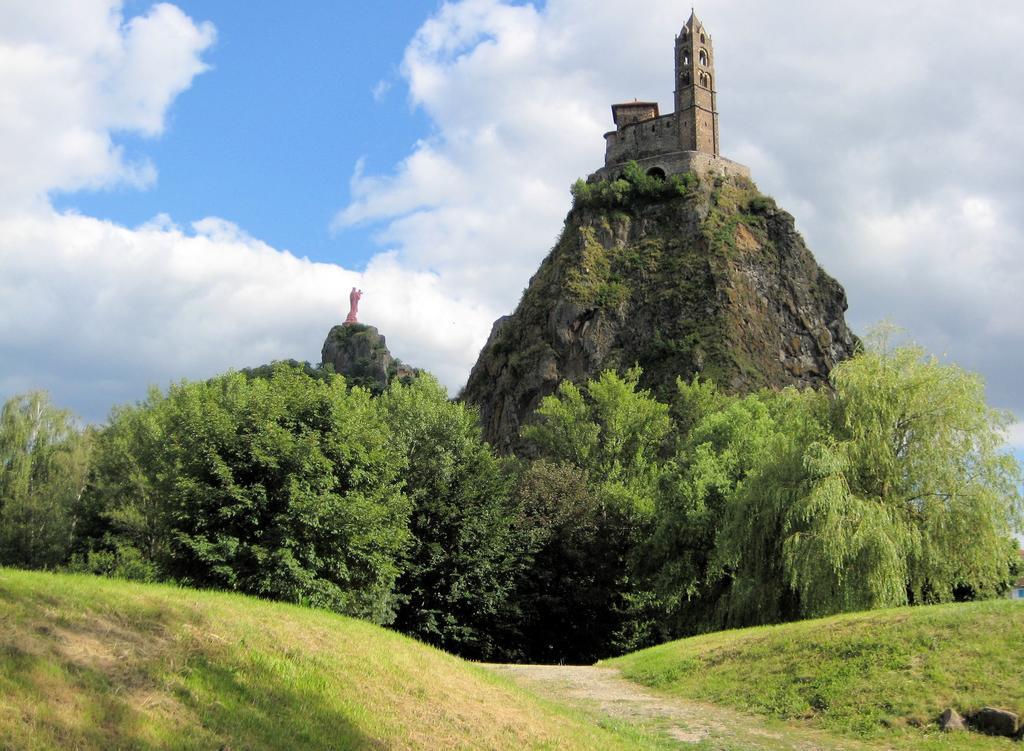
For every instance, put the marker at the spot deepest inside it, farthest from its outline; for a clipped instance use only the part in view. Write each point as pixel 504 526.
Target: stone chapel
pixel 685 140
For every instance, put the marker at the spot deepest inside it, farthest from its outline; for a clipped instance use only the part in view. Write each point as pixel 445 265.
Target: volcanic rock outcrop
pixel 360 353
pixel 684 277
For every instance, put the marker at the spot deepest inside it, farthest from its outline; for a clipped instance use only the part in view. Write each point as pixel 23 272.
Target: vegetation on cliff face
pixel 682 277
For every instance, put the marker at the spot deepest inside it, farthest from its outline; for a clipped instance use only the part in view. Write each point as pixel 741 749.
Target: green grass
pixel 92 663
pixel 882 676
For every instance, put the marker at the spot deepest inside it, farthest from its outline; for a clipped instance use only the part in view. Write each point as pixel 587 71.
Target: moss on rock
pixel 682 277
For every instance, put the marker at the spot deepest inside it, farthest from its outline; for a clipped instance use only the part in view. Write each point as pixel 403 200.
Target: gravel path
pixel 685 721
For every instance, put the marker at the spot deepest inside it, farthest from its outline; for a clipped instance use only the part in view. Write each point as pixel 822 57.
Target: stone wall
pixel 698 120
pixel 677 162
pixel 641 140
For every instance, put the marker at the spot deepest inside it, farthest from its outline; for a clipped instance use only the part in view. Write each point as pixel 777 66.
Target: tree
pixel 286 487
pixel 278 484
pixel 571 595
pixel 466 551
pixel 720 439
pixel 124 526
pixel 615 435
pixel 895 490
pixel 609 429
pixel 43 464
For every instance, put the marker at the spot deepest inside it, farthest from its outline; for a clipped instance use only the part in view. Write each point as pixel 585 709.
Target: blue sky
pixel 269 136
pixel 194 186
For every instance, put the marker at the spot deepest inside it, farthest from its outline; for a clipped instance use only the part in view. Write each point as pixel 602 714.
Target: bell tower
pixel 683 141
pixel 696 110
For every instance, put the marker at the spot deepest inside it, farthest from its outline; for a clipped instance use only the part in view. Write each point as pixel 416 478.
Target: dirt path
pixel 689 723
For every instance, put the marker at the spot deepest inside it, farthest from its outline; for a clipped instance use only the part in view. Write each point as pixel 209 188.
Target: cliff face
pixel 683 278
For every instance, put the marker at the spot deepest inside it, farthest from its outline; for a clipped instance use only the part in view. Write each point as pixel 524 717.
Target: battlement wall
pixel 640 140
pixel 677 162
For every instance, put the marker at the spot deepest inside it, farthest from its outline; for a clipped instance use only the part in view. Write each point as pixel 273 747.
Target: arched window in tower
pixel 703 57
pixel 686 58
pixel 703 79
pixel 702 39
pixel 685 78
pixel 707 82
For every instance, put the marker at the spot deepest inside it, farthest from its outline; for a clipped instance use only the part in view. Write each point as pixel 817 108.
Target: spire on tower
pixel 693 24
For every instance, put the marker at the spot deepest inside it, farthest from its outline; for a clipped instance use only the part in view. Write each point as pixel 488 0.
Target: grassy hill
pixel 91 663
pixel 882 675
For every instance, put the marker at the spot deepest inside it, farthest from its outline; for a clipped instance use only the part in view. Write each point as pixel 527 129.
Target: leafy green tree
pixel 124 526
pixel 615 435
pixel 277 484
pixel 572 592
pixel 746 567
pixel 612 431
pixel 467 550
pixel 897 489
pixel 720 440
pixel 285 487
pixel 44 459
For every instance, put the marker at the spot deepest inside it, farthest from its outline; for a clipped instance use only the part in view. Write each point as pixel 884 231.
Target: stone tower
pixel 696 112
pixel 683 141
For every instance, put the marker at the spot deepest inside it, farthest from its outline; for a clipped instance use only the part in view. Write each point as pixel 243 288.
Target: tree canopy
pixel 44 458
pixel 467 547
pixel 893 489
pixel 627 520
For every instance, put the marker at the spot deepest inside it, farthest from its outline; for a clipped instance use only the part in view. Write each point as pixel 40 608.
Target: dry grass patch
pixel 91 663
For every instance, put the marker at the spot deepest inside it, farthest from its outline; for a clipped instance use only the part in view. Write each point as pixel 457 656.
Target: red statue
pixel 353 305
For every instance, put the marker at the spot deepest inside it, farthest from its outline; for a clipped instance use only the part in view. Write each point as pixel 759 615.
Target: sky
pixel 191 187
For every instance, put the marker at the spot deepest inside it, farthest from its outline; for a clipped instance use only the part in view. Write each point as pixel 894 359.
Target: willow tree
pixel 896 488
pixel 44 460
pixel 721 440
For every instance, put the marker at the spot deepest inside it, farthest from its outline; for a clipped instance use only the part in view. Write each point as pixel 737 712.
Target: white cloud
pixel 519 116
pixel 380 89
pixel 87 300
pixel 1015 437
pixel 95 311
pixel 73 72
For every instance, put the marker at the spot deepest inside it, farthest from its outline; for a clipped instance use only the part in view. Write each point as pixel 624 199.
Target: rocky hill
pixel 360 353
pixel 681 276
